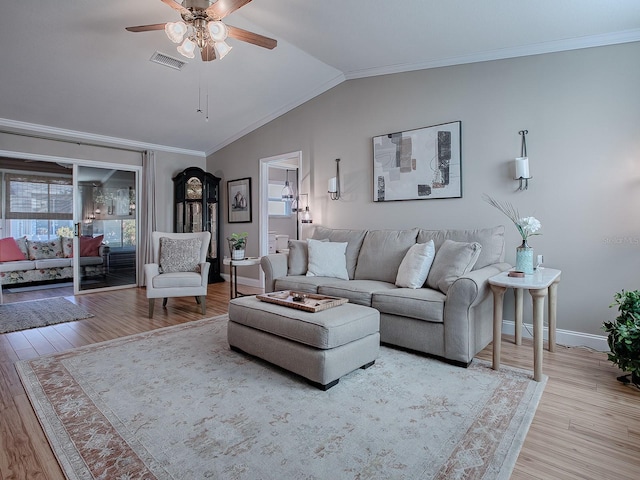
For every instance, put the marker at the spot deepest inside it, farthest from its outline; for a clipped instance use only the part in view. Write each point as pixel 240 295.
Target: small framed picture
pixel 239 200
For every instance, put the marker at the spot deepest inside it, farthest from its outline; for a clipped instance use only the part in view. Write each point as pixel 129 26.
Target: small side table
pixel 233 273
pixel 542 282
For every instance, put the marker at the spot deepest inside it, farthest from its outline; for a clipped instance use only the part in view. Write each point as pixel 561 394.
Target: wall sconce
pixel 522 163
pixel 306 213
pixel 334 183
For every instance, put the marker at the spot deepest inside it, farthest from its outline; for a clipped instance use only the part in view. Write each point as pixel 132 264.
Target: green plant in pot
pixel 624 335
pixel 237 245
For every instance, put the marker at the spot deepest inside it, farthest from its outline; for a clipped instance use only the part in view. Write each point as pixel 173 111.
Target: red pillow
pixel 9 250
pixel 90 246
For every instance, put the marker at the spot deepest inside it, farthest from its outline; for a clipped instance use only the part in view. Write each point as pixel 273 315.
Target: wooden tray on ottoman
pixel 310 302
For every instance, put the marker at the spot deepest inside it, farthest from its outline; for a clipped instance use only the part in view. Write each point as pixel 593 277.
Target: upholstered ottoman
pixel 321 346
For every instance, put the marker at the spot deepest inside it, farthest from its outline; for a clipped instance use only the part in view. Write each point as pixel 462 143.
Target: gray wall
pixel 582 110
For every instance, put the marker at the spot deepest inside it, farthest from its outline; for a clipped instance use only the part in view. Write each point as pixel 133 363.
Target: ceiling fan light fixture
pixel 217 31
pixel 222 48
pixel 175 31
pixel 187 48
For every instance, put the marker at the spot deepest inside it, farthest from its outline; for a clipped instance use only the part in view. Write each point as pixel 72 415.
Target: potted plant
pixel 624 335
pixel 237 245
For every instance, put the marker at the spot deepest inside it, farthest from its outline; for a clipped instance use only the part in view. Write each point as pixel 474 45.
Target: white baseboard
pixel 563 337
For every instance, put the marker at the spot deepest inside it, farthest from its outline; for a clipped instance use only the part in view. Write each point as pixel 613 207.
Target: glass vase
pixel 524 258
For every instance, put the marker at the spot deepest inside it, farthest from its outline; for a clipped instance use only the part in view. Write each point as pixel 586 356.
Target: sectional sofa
pixel 444 312
pixel 28 261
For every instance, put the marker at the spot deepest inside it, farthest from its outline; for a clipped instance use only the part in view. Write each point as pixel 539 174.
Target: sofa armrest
pixel 274 267
pixel 463 306
pixel 473 287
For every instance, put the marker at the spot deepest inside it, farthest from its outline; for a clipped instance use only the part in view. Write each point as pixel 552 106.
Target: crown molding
pixel 615 38
pixel 52 133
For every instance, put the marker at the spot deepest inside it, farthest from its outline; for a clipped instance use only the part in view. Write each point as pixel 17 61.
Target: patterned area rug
pixel 177 403
pixel 39 313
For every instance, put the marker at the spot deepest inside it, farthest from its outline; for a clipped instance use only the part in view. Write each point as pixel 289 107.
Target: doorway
pixel 277 217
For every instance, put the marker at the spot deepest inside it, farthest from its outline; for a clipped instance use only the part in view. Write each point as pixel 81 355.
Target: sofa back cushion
pixel 41 250
pixel 382 252
pixel 353 238
pixel 9 250
pixel 491 239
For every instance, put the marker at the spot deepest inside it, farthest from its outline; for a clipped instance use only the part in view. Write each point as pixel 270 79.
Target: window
pixel 39 207
pixel 278 207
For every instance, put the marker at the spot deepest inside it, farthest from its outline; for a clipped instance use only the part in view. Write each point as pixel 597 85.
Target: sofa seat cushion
pixel 18 265
pixel 178 279
pixel 84 261
pixel 357 291
pixel 422 303
pixel 53 263
pixel 325 329
pixel 301 283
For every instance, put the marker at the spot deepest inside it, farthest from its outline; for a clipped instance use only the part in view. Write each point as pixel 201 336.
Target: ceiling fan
pixel 202 27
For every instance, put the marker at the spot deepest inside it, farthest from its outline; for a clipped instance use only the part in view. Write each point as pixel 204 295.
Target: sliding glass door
pixel 106 228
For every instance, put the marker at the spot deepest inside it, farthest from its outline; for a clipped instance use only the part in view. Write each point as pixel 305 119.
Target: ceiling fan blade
pixel 222 8
pixel 250 37
pixel 208 53
pixel 146 28
pixel 175 5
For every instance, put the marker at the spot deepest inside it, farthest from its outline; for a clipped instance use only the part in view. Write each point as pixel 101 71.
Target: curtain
pixel 148 212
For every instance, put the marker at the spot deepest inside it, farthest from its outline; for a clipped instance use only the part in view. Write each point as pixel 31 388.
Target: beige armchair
pixel 180 267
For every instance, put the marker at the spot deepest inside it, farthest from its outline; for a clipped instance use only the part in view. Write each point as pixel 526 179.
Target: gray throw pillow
pixel 298 258
pixel 453 259
pixel 180 255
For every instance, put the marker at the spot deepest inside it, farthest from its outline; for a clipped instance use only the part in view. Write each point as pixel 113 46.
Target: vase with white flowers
pixel 527 227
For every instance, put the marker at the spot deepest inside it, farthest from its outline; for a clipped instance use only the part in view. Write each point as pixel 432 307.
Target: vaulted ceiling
pixel 69 68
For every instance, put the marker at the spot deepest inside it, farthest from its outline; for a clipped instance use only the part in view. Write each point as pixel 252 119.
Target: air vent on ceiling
pixel 167 61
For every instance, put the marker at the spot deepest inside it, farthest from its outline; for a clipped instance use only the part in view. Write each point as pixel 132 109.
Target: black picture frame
pixel 239 200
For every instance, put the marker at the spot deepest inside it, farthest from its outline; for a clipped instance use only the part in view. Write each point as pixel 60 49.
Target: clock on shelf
pixel 197 209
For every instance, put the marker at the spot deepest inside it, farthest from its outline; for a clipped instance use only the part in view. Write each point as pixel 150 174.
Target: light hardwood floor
pixel 587 425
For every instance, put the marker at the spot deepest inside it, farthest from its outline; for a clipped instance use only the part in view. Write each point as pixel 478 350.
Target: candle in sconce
pixel 333 185
pixel 522 167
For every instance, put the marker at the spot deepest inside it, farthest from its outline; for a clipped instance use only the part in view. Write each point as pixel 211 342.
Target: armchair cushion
pixel 180 255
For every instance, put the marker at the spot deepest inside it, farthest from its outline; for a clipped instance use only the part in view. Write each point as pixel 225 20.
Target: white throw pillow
pixel 415 265
pixel 327 259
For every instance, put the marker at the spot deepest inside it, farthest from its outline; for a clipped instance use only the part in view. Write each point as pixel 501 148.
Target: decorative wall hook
pixel 334 183
pixel 522 163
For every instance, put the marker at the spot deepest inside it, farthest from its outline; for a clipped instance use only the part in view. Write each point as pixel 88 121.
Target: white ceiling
pixel 70 68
